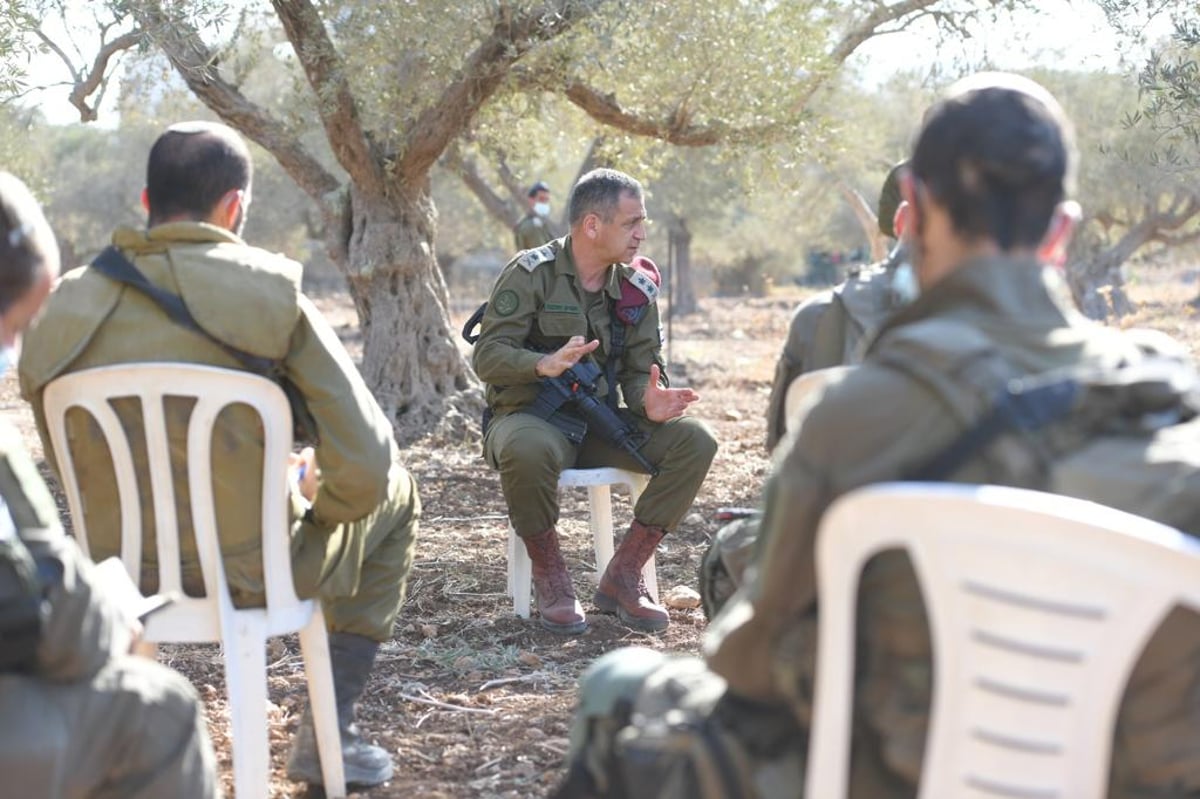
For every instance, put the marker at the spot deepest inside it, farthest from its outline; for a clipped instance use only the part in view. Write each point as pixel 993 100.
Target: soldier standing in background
pixel 535 229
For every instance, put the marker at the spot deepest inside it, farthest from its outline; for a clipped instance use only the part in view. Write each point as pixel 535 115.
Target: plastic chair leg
pixel 246 681
pixel 601 521
pixel 520 574
pixel 318 670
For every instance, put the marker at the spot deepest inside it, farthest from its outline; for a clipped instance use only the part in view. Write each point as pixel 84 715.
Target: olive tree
pixel 394 87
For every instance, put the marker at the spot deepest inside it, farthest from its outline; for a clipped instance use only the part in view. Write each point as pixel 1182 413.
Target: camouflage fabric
pixel 723 568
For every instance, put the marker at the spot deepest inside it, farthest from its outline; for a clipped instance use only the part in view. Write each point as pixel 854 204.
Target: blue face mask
pixel 541 209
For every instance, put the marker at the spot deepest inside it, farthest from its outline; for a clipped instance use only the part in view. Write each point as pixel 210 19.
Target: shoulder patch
pixel 530 259
pixel 506 303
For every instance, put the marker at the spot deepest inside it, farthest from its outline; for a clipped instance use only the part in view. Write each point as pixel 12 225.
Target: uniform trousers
pixel 530 454
pixel 134 730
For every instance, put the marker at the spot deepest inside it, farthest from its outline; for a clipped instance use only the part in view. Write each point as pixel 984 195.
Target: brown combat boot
pixel 558 608
pixel 622 589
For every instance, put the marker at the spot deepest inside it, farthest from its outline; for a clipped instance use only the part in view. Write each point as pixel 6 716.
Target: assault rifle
pixel 578 385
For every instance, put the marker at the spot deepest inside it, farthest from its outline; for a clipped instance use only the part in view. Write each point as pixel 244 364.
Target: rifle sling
pixel 113 264
pixel 1020 407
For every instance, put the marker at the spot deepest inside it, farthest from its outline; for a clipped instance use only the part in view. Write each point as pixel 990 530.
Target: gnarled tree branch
pixel 95 79
pixel 196 63
pixel 502 210
pixel 336 105
pixel 513 35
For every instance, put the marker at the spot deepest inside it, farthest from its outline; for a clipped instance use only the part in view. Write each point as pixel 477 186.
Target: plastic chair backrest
pixel 213 389
pixel 1039 607
pixel 242 632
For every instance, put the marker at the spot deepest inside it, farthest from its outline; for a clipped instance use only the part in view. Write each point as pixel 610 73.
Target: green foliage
pixel 1169 81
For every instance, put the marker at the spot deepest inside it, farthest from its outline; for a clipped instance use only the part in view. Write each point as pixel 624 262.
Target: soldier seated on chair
pixel 586 296
pixel 987 188
pixel 354 518
pixel 79 715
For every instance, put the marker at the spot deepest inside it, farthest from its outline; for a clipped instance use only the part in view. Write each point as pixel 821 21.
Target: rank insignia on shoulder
pixel 644 284
pixel 530 259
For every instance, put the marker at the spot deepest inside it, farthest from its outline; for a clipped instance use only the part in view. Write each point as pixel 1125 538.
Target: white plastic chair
pixel 242 633
pixel 1039 607
pixel 599 484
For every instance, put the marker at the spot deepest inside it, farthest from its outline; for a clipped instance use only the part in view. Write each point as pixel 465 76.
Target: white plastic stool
pixel 599 484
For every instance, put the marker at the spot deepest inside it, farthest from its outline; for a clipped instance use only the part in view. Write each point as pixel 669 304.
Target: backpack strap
pixel 1024 406
pixel 1134 399
pixel 113 264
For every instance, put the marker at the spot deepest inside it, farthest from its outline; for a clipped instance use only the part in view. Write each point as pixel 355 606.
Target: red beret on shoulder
pixel 639 288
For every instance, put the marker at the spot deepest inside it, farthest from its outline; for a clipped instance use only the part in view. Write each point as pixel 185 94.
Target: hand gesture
pixel 666 403
pixel 553 364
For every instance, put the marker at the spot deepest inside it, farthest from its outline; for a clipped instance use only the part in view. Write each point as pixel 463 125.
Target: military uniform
pixel 828 330
pixel 532 231
pixel 536 305
pixel 88 719
pixel 992 320
pixel 989 321
pixel 355 548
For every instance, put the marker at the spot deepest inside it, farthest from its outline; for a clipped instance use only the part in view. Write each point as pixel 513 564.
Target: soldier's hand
pixel 553 364
pixel 663 404
pixel 303 472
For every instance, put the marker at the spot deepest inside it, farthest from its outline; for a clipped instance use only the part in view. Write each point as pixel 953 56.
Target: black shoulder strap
pixel 469 332
pixel 1022 406
pixel 113 264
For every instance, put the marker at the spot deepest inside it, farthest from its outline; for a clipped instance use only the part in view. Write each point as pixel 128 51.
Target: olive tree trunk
pixel 420 378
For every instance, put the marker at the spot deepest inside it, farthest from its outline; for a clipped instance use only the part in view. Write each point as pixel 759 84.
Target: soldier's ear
pixel 146 199
pixel 591 225
pixel 909 209
pixel 229 208
pixel 900 218
pixel 1053 249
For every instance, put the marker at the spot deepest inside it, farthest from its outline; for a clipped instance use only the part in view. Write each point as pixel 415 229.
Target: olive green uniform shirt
pixel 536 305
pixel 250 299
pixel 532 231
pixel 829 329
pixel 992 320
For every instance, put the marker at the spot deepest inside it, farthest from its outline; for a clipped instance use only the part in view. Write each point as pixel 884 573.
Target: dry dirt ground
pixel 475 702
